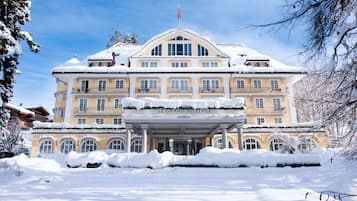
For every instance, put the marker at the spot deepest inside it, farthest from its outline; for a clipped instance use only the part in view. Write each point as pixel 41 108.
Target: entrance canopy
pixel 183 117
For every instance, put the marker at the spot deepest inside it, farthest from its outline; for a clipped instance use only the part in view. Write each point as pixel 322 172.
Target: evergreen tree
pixel 13 16
pixel 116 38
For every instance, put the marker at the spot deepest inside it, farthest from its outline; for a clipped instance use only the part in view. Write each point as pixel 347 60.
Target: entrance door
pixel 180 148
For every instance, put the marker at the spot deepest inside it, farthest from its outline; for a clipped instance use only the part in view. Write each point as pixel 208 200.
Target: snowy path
pixel 177 184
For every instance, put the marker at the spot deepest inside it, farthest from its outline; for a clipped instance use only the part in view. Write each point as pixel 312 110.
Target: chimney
pixel 113 59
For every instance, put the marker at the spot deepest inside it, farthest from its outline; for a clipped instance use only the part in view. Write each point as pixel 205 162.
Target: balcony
pixel 257 90
pixel 266 110
pixel 93 111
pixel 177 90
pixel 147 90
pixel 215 90
pixel 107 91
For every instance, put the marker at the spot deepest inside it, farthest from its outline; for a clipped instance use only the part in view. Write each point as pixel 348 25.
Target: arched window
pixel 276 144
pixel 88 145
pixel 157 51
pixel 306 144
pixel 68 145
pixel 136 145
pixel 202 51
pixel 219 144
pixel 116 144
pixel 46 146
pixel 251 144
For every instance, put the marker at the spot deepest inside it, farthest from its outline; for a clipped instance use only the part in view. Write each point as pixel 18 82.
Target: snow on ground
pixel 45 179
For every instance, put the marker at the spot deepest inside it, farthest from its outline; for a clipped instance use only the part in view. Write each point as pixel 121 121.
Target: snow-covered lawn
pixel 43 179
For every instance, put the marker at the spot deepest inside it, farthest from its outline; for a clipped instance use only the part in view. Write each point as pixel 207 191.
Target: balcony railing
pixel 257 90
pixel 147 90
pixel 103 91
pixel 215 90
pixel 266 110
pixel 178 90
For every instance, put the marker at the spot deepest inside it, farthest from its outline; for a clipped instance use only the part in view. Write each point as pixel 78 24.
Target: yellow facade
pixel 175 64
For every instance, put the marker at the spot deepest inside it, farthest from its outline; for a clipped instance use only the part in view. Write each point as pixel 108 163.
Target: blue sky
pixel 65 28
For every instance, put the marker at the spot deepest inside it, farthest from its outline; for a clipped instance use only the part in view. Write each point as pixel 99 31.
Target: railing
pixel 215 90
pixel 104 91
pixel 256 90
pixel 147 90
pixel 94 111
pixel 266 110
pixel 178 90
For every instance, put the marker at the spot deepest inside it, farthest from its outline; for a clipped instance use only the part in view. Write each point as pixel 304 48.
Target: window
pixel 306 144
pixel 260 120
pixel 278 120
pixel 276 104
pixel 179 49
pixel 119 84
pixel 67 146
pixel 147 64
pixel 208 85
pixel 240 84
pixel 82 104
pixel 274 84
pixel 209 64
pixel 202 51
pixel 64 96
pixel 116 121
pixel 182 85
pixel 219 144
pixel 100 104
pixel 88 145
pixel 46 146
pixel 157 51
pixel 259 103
pixel 102 85
pixel 251 144
pixel 179 64
pixel 257 84
pixel 99 121
pixel 136 145
pixel 84 85
pixel 117 103
pixel 62 111
pixel 81 121
pixel 147 84
pixel 116 144
pixel 276 144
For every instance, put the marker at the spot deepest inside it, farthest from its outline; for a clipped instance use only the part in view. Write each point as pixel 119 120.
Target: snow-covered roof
pixel 183 103
pixel 19 109
pixel 73 60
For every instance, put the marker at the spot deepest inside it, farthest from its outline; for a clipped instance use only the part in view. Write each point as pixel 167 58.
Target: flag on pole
pixel 179 15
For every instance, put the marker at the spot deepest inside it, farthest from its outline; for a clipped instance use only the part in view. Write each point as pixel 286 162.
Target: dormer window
pixel 202 51
pixel 157 51
pixel 257 62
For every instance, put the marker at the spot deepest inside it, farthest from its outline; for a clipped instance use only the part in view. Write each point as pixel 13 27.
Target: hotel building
pixel 178 64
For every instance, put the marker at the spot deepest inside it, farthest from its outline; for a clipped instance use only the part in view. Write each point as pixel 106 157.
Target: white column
pixel 240 139
pixel 195 87
pixel 225 138
pixel 163 87
pixel 68 110
pixel 128 140
pixel 226 87
pixel 171 145
pixel 144 147
pixel 132 86
pixel 291 100
pixel 189 141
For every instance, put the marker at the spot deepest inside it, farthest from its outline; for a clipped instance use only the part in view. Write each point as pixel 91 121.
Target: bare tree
pixel 11 138
pixel 331 49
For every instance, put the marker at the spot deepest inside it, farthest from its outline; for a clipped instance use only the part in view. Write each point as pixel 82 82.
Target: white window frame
pixel 84 85
pixel 117 103
pixel 100 104
pixel 257 84
pixel 260 120
pixel 88 145
pixel 99 121
pixel 276 103
pixel 119 84
pixel 181 84
pixel 278 120
pixel 240 84
pixel 83 104
pixel 117 121
pixel 116 144
pixel 148 83
pixel 218 143
pixel 251 144
pixel 179 64
pixel 81 121
pixel 67 146
pixel 276 144
pixel 210 84
pixel 136 145
pixel 306 144
pixel 259 103
pixel 47 146
pixel 102 85
pixel 274 84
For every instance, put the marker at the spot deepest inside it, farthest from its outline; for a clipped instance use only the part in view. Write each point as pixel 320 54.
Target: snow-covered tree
pixel 119 38
pixel 13 16
pixel 11 139
pixel 331 48
pixel 116 38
